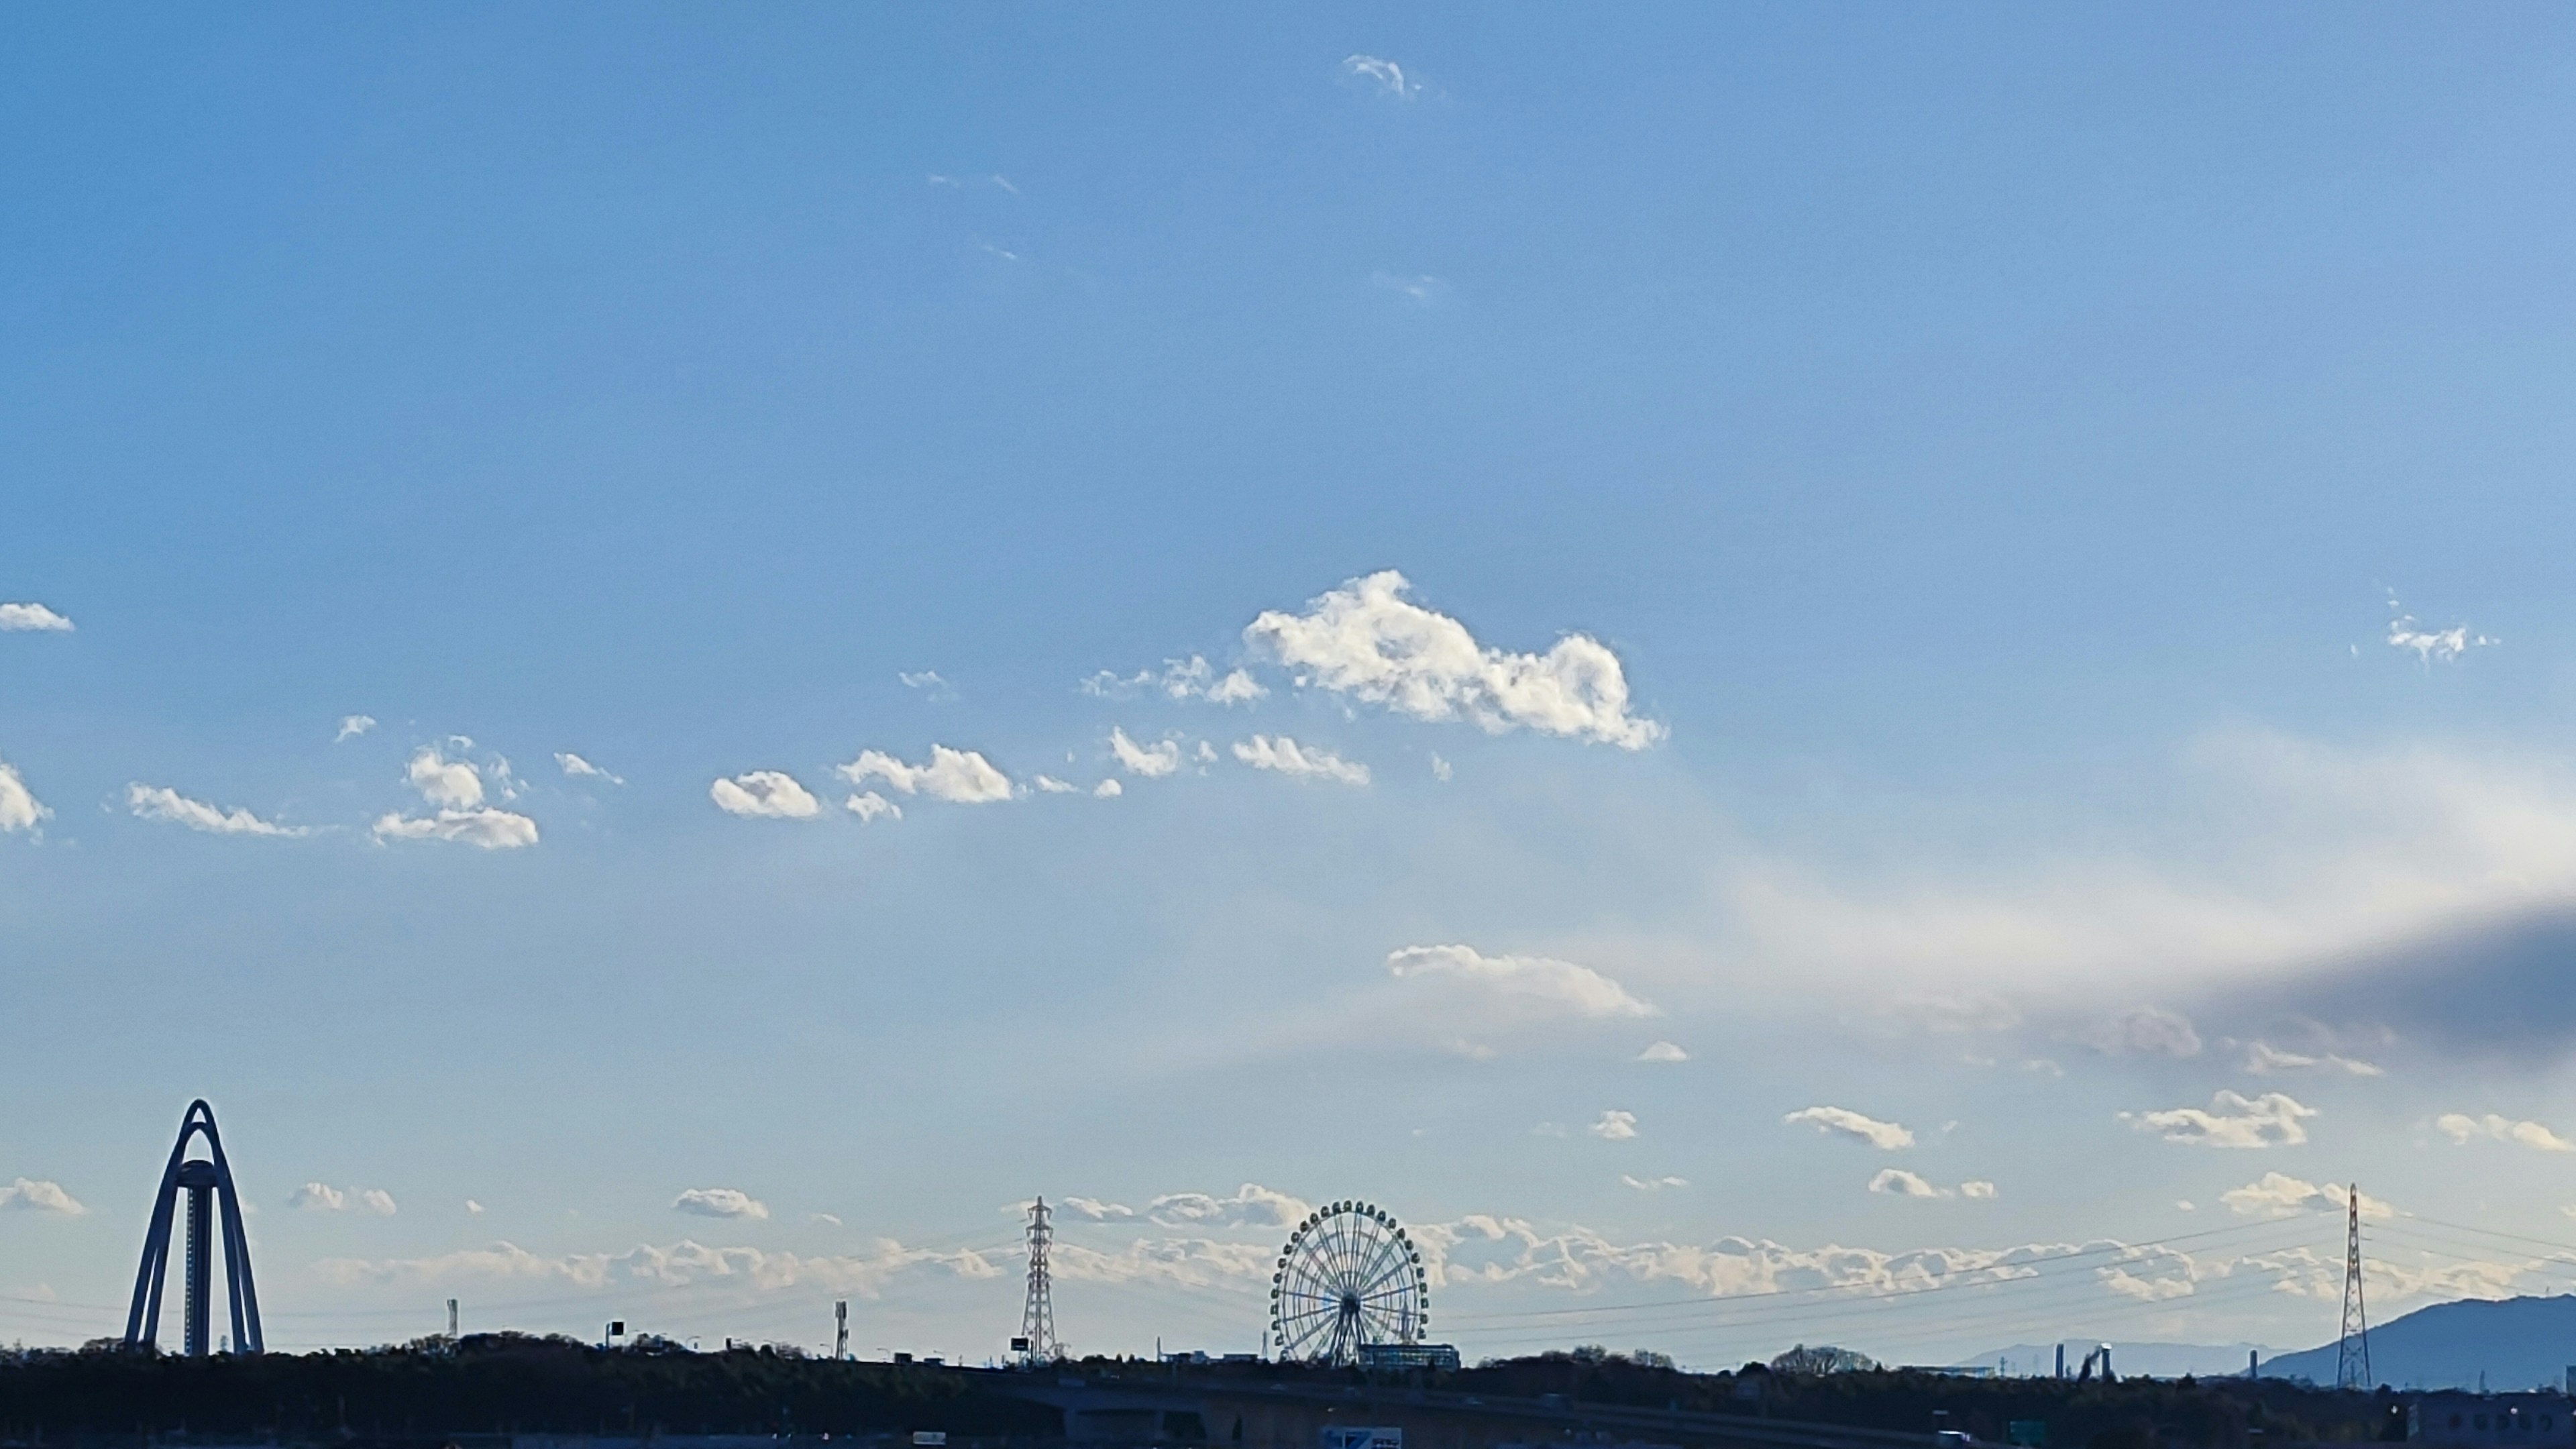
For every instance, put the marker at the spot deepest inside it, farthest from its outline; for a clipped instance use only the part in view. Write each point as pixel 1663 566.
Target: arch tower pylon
pixel 208 1182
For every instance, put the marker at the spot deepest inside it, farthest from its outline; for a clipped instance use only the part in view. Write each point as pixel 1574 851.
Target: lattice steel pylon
pixel 1038 1342
pixel 2352 1353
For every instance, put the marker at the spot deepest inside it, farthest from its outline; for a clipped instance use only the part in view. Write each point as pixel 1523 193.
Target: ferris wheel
pixel 1349 1279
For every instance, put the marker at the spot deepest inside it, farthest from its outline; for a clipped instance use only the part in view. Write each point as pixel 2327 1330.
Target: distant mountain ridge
pixel 2504 1344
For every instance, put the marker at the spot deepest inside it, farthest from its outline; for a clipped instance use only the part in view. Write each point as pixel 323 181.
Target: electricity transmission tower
pixel 2352 1354
pixel 1037 1341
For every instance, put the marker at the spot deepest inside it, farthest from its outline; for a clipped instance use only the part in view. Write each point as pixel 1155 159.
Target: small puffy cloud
pixel 1385 75
pixel 1050 785
pixel 19 809
pixel 1249 1206
pixel 1977 1189
pixel 353 725
pixel 1663 1051
pixel 1897 1182
pixel 1365 639
pixel 1092 1209
pixel 1614 1126
pixel 35 1195
pixel 1108 789
pixel 483 829
pixel 1577 989
pixel 869 805
pixel 1307 762
pixel 1180 679
pixel 1652 1184
pixel 378 1201
pixel 766 795
pixel 474 1207
pixel 1844 1122
pixel 318 1197
pixel 2463 1129
pixel 2148 1031
pixel 2263 1059
pixel 27 618
pixel 449 784
pixel 2431 646
pixel 152 802
pixel 720 1202
pixel 573 764
pixel 2233 1120
pixel 1151 761
pixel 961 777
pixel 2277 1194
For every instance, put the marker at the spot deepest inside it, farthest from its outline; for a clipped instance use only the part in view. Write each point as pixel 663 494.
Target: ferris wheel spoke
pixel 1348 1279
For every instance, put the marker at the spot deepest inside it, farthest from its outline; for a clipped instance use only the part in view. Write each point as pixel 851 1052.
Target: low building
pixel 2481 1420
pixel 1408 1356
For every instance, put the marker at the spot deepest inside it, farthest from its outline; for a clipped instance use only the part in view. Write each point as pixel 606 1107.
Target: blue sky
pixel 2011 478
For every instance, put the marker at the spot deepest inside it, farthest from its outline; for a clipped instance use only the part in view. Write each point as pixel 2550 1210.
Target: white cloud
pixel 2271 1120
pixel 2146 1031
pixel 1386 74
pixel 720 1202
pixel 1843 1122
pixel 1614 1126
pixel 1365 639
pixel 1151 761
pixel 2277 1194
pixel 678 1265
pixel 318 1197
pixel 1091 1209
pixel 152 802
pixel 1180 679
pixel 483 829
pixel 20 618
pixel 1108 789
pixel 1237 687
pixel 1897 1182
pixel 1652 1184
pixel 36 1195
pixel 573 764
pixel 2462 1128
pixel 1050 785
pixel 1977 1189
pixel 1663 1051
pixel 1249 1206
pixel 1421 289
pixel 1578 989
pixel 1303 762
pixel 765 794
pixel 19 809
pixel 929 683
pixel 353 725
pixel 378 1201
pixel 959 776
pixel 2262 1059
pixel 449 784
pixel 1439 767
pixel 473 1207
pixel 869 805
pixel 2431 645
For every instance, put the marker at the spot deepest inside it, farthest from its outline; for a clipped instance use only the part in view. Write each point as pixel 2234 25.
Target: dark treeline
pixel 497 1383
pixel 508 1383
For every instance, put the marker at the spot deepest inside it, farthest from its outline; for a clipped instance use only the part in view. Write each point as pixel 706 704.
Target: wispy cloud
pixel 153 802
pixel 1846 1123
pixel 1151 761
pixel 1614 1126
pixel 2277 1194
pixel 1897 1182
pixel 2431 646
pixel 869 805
pixel 929 683
pixel 1663 1051
pixel 1384 76
pixel 2233 1120
pixel 1366 640
pixel 1179 679
pixel 572 764
pixel 1421 290
pixel 1653 1184
pixel 323 1198
pixel 1306 762
pixel 2464 1129
pixel 352 726
pixel 2263 1059
pixel 1573 989
pixel 24 618
pixel 765 795
pixel 2147 1031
